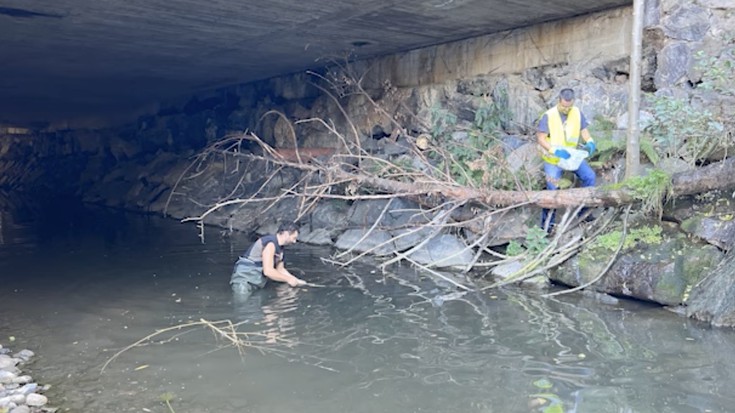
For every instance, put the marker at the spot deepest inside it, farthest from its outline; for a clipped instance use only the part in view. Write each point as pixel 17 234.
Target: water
pixel 78 287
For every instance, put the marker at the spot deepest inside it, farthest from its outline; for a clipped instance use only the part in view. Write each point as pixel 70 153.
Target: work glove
pixel 590 147
pixel 562 153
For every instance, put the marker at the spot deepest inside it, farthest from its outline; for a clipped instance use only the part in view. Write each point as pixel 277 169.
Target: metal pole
pixel 633 151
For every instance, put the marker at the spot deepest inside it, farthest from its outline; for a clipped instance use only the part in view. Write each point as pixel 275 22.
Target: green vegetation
pixel 609 148
pixel 718 72
pixel 535 242
pixel 692 132
pixel 610 241
pixel 652 190
pixel 680 130
pixel 476 157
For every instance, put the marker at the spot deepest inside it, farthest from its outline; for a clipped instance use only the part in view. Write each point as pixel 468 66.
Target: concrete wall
pixel 599 36
pixel 603 35
pixel 581 39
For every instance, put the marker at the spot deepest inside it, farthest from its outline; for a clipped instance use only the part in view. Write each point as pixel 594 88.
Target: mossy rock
pixel 659 272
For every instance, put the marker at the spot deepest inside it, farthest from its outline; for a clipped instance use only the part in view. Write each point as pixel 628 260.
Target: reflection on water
pixel 78 291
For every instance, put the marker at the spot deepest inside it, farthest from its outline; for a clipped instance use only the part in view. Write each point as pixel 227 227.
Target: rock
pixel 13 399
pixel 7 362
pixel 524 106
pixel 319 236
pixel 717 230
pixel 526 159
pixel 673 64
pixel 713 300
pixel 366 213
pixel 36 400
pixel 6 377
pixel 329 215
pixel 608 71
pixel 709 216
pixel 645 119
pixel 397 148
pixel 718 4
pixel 687 22
pixel 443 251
pixel 21 409
pixel 601 298
pixel 652 13
pixel 22 380
pixel 674 165
pixel 508 269
pixel 537 78
pixel 358 240
pixel 513 142
pixel 410 232
pixel 510 225
pixel 27 389
pixel 662 273
pixel 478 86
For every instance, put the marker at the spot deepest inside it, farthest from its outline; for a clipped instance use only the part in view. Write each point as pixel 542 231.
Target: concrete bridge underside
pixel 96 57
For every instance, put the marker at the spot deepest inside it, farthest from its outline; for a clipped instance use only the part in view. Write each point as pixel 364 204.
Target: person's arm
pixel 543 140
pixel 585 134
pixel 542 133
pixel 277 273
pixel 584 128
pixel 282 269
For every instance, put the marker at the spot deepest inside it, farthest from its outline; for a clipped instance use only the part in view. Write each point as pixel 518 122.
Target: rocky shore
pixel 18 392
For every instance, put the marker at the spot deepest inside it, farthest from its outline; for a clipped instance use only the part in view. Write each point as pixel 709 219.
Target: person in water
pixel 264 261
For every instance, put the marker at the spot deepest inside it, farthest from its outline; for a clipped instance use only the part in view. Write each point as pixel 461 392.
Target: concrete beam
pixel 92 57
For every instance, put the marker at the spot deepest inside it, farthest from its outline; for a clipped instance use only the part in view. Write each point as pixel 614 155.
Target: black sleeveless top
pixel 255 252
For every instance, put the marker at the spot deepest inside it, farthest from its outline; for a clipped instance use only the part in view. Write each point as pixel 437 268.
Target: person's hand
pixel 590 147
pixel 296 282
pixel 562 153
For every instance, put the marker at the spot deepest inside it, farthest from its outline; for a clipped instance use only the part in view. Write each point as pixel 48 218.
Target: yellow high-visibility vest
pixel 562 134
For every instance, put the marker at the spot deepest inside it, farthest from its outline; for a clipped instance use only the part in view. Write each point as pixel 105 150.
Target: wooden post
pixel 633 146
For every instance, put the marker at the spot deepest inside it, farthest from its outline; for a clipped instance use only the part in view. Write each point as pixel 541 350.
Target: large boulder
pixel 658 269
pixel 390 212
pixel 443 251
pixel 687 22
pixel 377 242
pixel 511 225
pixel 325 223
pixel 673 64
pixel 709 216
pixel 713 300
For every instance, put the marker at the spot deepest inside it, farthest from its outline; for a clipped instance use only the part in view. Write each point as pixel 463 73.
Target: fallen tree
pixel 454 190
pixel 718 175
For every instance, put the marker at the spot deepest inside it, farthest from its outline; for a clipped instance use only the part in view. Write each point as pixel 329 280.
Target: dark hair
pixel 566 94
pixel 289 227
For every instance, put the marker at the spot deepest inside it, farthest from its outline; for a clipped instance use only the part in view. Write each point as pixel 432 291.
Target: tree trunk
pixel 718 175
pixel 633 147
pixel 715 176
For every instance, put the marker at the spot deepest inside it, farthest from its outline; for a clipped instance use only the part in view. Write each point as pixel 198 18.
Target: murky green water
pixel 78 288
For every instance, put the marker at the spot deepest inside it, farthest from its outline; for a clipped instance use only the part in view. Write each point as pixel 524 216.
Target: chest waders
pixel 247 276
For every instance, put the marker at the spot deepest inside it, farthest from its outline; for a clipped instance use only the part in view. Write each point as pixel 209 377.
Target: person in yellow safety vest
pixel 559 129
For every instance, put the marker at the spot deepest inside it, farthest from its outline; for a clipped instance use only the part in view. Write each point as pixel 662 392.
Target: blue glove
pixel 590 147
pixel 562 153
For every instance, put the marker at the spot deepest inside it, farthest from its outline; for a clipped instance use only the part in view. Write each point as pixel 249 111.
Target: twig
pixel 609 263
